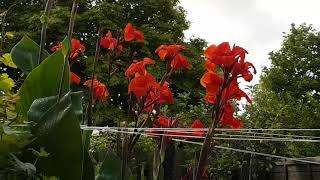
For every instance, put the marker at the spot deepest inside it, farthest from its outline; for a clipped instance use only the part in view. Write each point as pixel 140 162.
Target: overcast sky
pixel 256 25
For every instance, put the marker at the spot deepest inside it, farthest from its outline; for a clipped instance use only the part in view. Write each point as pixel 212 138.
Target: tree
pixel 288 94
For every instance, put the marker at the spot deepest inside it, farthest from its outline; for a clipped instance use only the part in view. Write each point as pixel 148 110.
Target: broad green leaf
pixel 25 54
pixel 6 83
pixel 66 45
pixel 88 168
pixel 41 106
pixel 76 98
pixel 57 122
pixel 7 60
pixel 110 168
pixel 43 81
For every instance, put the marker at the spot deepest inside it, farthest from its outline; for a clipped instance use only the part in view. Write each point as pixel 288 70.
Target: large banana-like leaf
pixel 43 81
pixel 25 54
pixel 57 130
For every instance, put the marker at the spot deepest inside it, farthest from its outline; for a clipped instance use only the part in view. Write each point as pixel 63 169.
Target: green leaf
pixel 111 169
pixel 7 60
pixel 25 54
pixel 44 19
pixel 6 83
pixel 88 168
pixel 66 45
pixel 76 98
pixel 43 81
pixel 40 107
pixel 58 122
pixel 42 152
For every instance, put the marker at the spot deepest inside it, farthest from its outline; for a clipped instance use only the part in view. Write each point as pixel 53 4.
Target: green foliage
pixel 7 60
pixel 288 95
pixel 6 83
pixel 43 81
pixel 25 54
pixel 58 122
pixel 111 169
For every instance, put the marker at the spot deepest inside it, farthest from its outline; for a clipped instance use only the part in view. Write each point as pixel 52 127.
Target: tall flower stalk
pixel 44 20
pixel 69 37
pixel 225 65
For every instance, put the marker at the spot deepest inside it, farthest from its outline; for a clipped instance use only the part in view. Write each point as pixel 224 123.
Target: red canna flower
pixel 167 122
pixel 162 122
pixel 212 82
pixel 180 61
pixel 142 84
pixel 164 94
pixel 138 68
pixel 234 92
pixel 228 119
pixel 100 91
pixel 74 79
pixel 76 49
pixel 159 95
pixel 130 33
pixel 242 69
pixel 223 55
pixel 110 43
pixel 210 66
pixel 197 124
pixel 169 52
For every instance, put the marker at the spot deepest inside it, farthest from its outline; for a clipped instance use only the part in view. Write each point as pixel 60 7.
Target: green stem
pixel 44 28
pixel 124 156
pixel 96 57
pixel 208 144
pixel 69 37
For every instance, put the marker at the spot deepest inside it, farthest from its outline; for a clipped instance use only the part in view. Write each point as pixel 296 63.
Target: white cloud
pixel 256 25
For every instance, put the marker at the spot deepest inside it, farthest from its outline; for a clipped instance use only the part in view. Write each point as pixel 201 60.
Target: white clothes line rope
pixel 275 134
pixel 191 129
pixel 252 152
pixel 217 138
pixel 218 147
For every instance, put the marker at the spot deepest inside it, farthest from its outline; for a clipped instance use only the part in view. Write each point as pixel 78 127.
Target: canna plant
pixel 55 111
pixel 225 66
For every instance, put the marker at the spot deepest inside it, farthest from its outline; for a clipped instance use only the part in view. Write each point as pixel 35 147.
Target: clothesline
pixel 191 129
pixel 251 152
pixel 157 135
pixel 153 134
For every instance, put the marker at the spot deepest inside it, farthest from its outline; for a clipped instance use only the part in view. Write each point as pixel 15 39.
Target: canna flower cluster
pixel 100 91
pixel 130 34
pixel 145 87
pixel 171 54
pixel 225 65
pixel 110 43
pixel 76 49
